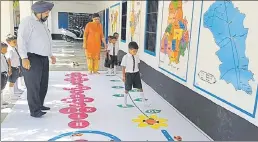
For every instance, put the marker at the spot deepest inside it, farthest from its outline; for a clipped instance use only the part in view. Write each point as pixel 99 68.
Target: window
pixel 124 18
pixel 151 27
pixel 62 20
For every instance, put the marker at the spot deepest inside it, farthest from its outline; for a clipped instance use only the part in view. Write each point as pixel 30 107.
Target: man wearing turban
pixel 35 48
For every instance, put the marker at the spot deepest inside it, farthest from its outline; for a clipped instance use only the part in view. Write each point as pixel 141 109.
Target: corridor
pixel 96 114
pixel 197 62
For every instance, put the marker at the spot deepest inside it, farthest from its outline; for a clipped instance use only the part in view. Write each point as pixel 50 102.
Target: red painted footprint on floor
pixel 80 105
pixel 78 124
pixel 68 110
pixel 81 100
pixel 76 74
pixel 78 116
pixel 77 96
pixel 87 109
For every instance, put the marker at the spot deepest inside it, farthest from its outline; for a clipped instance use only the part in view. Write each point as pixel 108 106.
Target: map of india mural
pixel 230 36
pixel 226 54
pixel 176 37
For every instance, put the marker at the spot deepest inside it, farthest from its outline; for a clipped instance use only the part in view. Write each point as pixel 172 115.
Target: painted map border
pixel 180 78
pixel 213 95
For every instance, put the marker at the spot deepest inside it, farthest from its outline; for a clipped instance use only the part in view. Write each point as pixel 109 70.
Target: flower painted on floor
pixel 153 121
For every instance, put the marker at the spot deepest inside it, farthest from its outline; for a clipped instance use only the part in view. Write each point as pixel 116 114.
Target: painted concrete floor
pixel 92 112
pixel 101 118
pixel 66 54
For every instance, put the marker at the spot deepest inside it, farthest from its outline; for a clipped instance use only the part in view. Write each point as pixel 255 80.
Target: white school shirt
pixel 111 47
pixel 13 56
pixel 34 37
pixel 4 65
pixel 127 62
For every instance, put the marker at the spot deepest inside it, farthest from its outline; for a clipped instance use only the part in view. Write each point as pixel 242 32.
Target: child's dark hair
pixel 133 45
pixel 10 37
pixel 3 45
pixel 115 34
pixel 112 37
pixel 109 36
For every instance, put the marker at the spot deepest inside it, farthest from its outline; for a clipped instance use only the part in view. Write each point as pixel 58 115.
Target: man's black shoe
pixel 38 114
pixel 45 108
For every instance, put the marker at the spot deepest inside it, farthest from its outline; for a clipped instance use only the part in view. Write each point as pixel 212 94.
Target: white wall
pixel 7 26
pixel 153 61
pixel 70 6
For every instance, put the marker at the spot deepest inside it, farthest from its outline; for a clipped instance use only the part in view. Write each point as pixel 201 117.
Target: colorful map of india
pixel 176 36
pixel 226 24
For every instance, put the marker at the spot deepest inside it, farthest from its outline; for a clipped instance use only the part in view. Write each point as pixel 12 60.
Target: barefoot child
pixel 4 73
pixel 131 74
pixel 112 51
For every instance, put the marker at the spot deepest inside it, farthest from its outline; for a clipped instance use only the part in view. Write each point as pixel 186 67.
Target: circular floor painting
pixel 85 135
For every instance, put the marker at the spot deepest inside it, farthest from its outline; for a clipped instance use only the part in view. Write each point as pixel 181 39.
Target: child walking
pixel 4 73
pixel 112 51
pixel 13 58
pixel 131 74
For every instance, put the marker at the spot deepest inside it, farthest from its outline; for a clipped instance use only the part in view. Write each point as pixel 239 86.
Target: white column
pixel 25 9
pixel 7 25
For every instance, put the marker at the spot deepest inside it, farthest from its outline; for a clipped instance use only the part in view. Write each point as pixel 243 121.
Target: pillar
pixel 25 9
pixel 7 22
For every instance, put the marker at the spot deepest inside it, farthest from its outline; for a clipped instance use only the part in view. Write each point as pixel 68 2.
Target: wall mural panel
pixel 226 61
pixel 135 21
pixel 176 35
pixel 114 19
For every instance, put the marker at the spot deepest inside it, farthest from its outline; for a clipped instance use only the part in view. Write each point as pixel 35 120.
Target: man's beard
pixel 43 19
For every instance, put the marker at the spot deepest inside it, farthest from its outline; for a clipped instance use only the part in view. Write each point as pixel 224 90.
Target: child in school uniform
pixel 13 58
pixel 131 74
pixel 106 64
pixel 116 35
pixel 12 42
pixel 4 73
pixel 112 51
